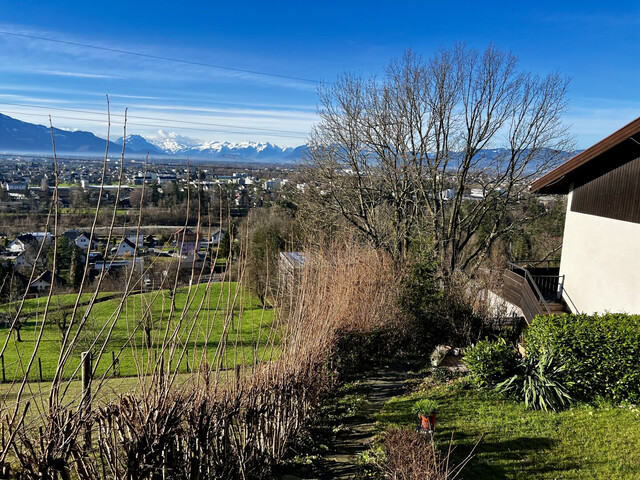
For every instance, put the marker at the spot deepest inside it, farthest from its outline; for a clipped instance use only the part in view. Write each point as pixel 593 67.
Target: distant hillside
pixel 22 137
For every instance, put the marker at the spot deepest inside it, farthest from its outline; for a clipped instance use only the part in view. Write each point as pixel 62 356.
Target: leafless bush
pixel 411 455
pixel 139 435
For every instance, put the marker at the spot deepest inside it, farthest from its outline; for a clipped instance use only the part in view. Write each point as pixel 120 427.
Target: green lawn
pixel 34 306
pixel 584 442
pixel 246 339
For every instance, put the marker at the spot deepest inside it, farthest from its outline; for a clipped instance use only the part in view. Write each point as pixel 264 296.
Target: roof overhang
pixel 617 149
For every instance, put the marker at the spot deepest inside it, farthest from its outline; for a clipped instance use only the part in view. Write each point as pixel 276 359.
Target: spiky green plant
pixel 536 383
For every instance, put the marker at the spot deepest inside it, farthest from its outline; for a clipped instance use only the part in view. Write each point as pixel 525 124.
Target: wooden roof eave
pixel 559 179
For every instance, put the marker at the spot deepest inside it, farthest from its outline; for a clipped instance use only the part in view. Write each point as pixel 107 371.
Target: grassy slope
pixel 583 442
pixel 36 305
pixel 205 336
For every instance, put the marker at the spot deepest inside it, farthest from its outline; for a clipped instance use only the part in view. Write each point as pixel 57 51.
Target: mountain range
pixel 17 136
pixel 21 137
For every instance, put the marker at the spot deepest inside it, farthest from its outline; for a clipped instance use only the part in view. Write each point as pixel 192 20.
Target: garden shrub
pixel 356 353
pixel 601 353
pixel 537 383
pixel 490 362
pixel 412 456
pixel 444 375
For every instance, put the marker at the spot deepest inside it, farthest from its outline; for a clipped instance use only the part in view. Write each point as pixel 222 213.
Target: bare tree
pixel 398 157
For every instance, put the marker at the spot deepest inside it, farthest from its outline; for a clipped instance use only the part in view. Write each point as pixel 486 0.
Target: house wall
pixel 124 249
pixel 16 247
pixel 601 263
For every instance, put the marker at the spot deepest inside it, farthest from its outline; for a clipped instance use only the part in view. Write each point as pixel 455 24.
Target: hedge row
pixel 601 352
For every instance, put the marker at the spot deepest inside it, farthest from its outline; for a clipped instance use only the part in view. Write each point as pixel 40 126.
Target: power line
pixel 160 57
pixel 93 112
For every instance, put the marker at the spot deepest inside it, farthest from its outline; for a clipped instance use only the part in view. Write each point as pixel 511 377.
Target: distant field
pixel 246 339
pixel 35 306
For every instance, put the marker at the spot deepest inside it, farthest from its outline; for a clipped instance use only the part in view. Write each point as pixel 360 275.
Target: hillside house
pixel 125 247
pixel 216 235
pixel 135 237
pixel 599 269
pixel 600 266
pixel 42 283
pixel 81 239
pixel 187 241
pixel 28 259
pixel 22 242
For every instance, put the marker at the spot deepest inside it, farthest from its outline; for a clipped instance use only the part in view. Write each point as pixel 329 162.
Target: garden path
pixel 358 436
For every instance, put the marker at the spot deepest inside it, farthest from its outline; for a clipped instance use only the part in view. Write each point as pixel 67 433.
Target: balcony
pixel 536 287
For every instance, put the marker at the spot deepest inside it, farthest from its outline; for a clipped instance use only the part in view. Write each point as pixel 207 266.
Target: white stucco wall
pixel 601 263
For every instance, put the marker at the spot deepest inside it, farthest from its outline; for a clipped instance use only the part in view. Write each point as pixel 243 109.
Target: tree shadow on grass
pixel 502 458
pixel 398 412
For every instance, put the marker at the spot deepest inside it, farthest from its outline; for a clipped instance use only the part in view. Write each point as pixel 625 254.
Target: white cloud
pixel 163 135
pixel 73 74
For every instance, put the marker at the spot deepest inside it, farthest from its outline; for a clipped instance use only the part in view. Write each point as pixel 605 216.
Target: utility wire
pixel 93 112
pixel 167 59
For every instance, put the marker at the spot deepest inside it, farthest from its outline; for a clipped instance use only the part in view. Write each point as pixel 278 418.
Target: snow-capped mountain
pixel 172 143
pixel 22 137
pixel 140 144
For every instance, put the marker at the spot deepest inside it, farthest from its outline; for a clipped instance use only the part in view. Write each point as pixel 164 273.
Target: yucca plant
pixel 537 384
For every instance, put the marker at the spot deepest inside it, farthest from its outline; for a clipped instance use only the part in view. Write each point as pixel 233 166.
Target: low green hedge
pixel 490 362
pixel 601 352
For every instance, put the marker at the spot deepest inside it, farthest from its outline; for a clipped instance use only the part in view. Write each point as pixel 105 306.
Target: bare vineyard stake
pixel 86 392
pixel 113 363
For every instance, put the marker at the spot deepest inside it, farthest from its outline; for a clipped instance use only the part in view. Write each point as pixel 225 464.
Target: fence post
pixel 40 367
pixel 86 393
pixel 4 377
pixel 114 363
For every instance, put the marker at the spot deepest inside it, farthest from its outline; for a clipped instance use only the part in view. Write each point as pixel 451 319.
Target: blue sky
pixel 594 43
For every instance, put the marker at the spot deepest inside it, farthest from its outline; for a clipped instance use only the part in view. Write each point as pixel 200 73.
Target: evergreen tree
pixel 76 268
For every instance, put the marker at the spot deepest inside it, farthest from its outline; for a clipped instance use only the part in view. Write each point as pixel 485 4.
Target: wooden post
pixel 4 377
pixel 86 392
pixel 40 367
pixel 114 363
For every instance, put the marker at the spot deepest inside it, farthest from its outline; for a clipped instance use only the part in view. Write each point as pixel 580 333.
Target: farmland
pixel 219 322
